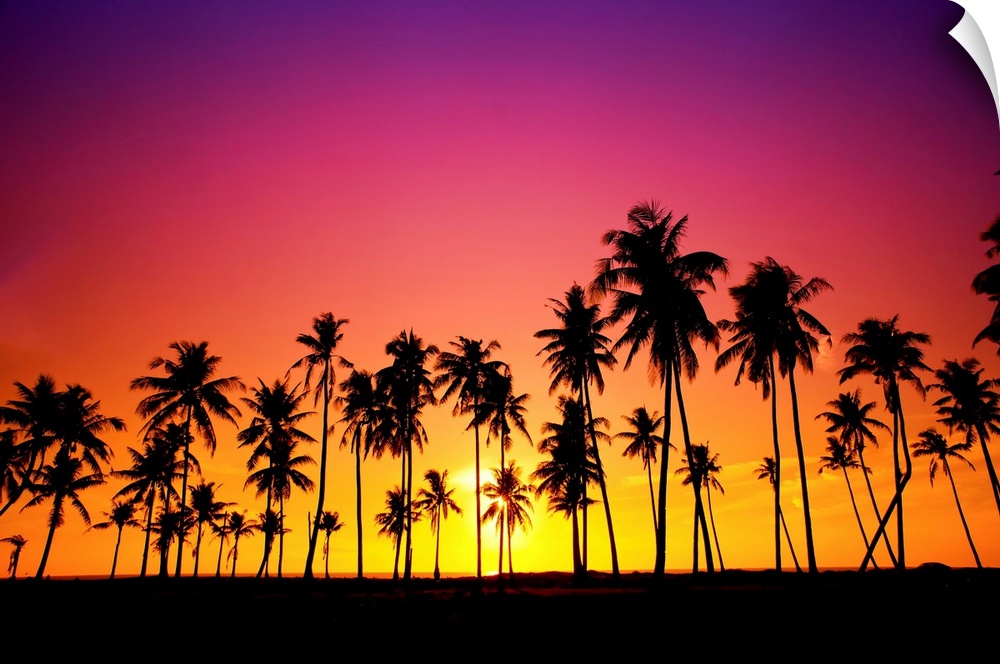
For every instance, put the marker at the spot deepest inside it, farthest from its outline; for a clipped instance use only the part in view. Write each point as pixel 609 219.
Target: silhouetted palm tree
pixel 392 522
pixel 658 289
pixel 510 506
pixel 188 391
pixel 987 283
pixel 33 417
pixel 11 466
pixel 504 412
pixel 772 331
pixel 768 471
pixel 436 500
pixel 205 509
pixel 239 526
pixel 643 442
pixel 700 466
pixel 329 523
pixel 576 352
pixel 122 515
pixel 842 457
pixel 891 356
pixel 934 445
pixel 18 542
pixel 321 357
pixel 970 405
pixel 466 373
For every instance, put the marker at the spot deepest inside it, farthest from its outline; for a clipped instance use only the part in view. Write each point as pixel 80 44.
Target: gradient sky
pixel 226 172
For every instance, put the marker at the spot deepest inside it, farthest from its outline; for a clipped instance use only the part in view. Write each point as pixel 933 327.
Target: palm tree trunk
pixel 810 548
pixel 479 510
pixel 661 515
pixel 699 507
pixel 857 514
pixel 184 484
pixel 149 529
pixel 53 524
pixel 437 546
pixel 871 495
pixel 777 466
pixel 715 534
pixel 603 484
pixel 321 497
pixel 577 565
pixel 788 537
pixel 994 482
pixel 197 551
pixel 961 514
pixel 357 483
pixel 236 553
pixel 652 497
pixel 222 541
pixel 408 562
pixel 114 560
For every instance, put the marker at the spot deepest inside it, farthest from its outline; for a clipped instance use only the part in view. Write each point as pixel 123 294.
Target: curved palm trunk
pixel 218 563
pixel 871 495
pixel 661 516
pixel 149 529
pixel 810 548
pixel 715 534
pixel 184 484
pixel 281 532
pixel 53 524
pixel 408 562
pixel 788 537
pixel 197 550
pixel 264 569
pixel 437 545
pixel 699 507
pixel 603 484
pixel 321 497
pixel 994 482
pixel 652 498
pixel 961 514
pixel 578 571
pixel 777 468
pixel 236 554
pixel 357 482
pixel 114 560
pixel 326 556
pixel 857 514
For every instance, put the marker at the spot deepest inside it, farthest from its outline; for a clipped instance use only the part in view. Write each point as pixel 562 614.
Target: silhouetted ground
pixel 811 617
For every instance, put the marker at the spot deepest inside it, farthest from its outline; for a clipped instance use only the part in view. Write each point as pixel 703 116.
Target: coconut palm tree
pixel 840 456
pixel 850 418
pixel 932 444
pixel 436 500
pixel 392 522
pixel 657 289
pixel 321 345
pixel 772 334
pixel 465 372
pixel 18 542
pixel 121 516
pixel 188 392
pixel 33 418
pixel 643 442
pixel 768 471
pixel 699 466
pixel 409 386
pixel 971 405
pixel 576 354
pixel 239 526
pixel 510 507
pixel 987 283
pixel 205 509
pixel 892 356
pixel 329 523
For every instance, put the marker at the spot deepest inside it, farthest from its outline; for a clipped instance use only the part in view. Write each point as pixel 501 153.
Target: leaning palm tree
pixel 699 466
pixel 772 334
pixel 658 290
pixel 768 471
pixel 33 420
pixel 840 456
pixel 189 392
pixel 329 523
pixel 436 500
pixel 932 444
pixel 892 356
pixel 466 371
pixel 205 509
pixel 510 507
pixel 971 405
pixel 321 344
pixel 987 283
pixel 643 442
pixel 576 353
pixel 18 542
pixel 121 516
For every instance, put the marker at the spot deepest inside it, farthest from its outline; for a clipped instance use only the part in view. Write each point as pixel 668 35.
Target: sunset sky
pixel 225 172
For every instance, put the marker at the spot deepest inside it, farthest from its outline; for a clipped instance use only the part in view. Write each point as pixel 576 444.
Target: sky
pixel 210 171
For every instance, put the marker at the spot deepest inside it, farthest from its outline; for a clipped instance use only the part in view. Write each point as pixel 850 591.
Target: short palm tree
pixel 436 500
pixel 932 444
pixel 768 471
pixel 190 393
pixel 206 510
pixel 121 516
pixel 643 442
pixel 239 526
pixel 329 523
pixel 510 507
pixel 701 466
pixel 18 542
pixel 321 345
pixel 392 522
pixel 841 457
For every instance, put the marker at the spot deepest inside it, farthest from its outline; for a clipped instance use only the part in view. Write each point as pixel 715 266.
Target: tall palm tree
pixel 840 456
pixel 987 283
pixel 576 353
pixel 190 392
pixel 643 442
pixel 510 507
pixel 466 371
pixel 18 542
pixel 772 334
pixel 409 386
pixel 699 466
pixel 205 509
pixel 892 356
pixel 932 444
pixel 768 471
pixel 658 290
pixel 971 405
pixel 33 417
pixel 329 523
pixel 436 500
pixel 321 346
pixel 121 516
pixel 851 419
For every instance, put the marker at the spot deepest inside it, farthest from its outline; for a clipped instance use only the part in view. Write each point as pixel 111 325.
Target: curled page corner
pixel 979 33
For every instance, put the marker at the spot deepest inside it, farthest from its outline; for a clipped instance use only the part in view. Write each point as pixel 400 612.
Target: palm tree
pixel 971 405
pixel 188 391
pixel 932 444
pixel 891 356
pixel 329 523
pixel 33 417
pixel 768 471
pixel 321 345
pixel 643 442
pixel 11 466
pixel 699 466
pixel 362 406
pixel 170 524
pixel 206 509
pixel 466 372
pixel 392 522
pixel 987 283
pixel 239 526
pixel 510 506
pixel 79 425
pixel 658 289
pixel 18 542
pixel 436 500
pixel 840 456
pixel 851 419
pixel 409 387
pixel 576 352
pixel 771 331
pixel 503 412
pixel 122 515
